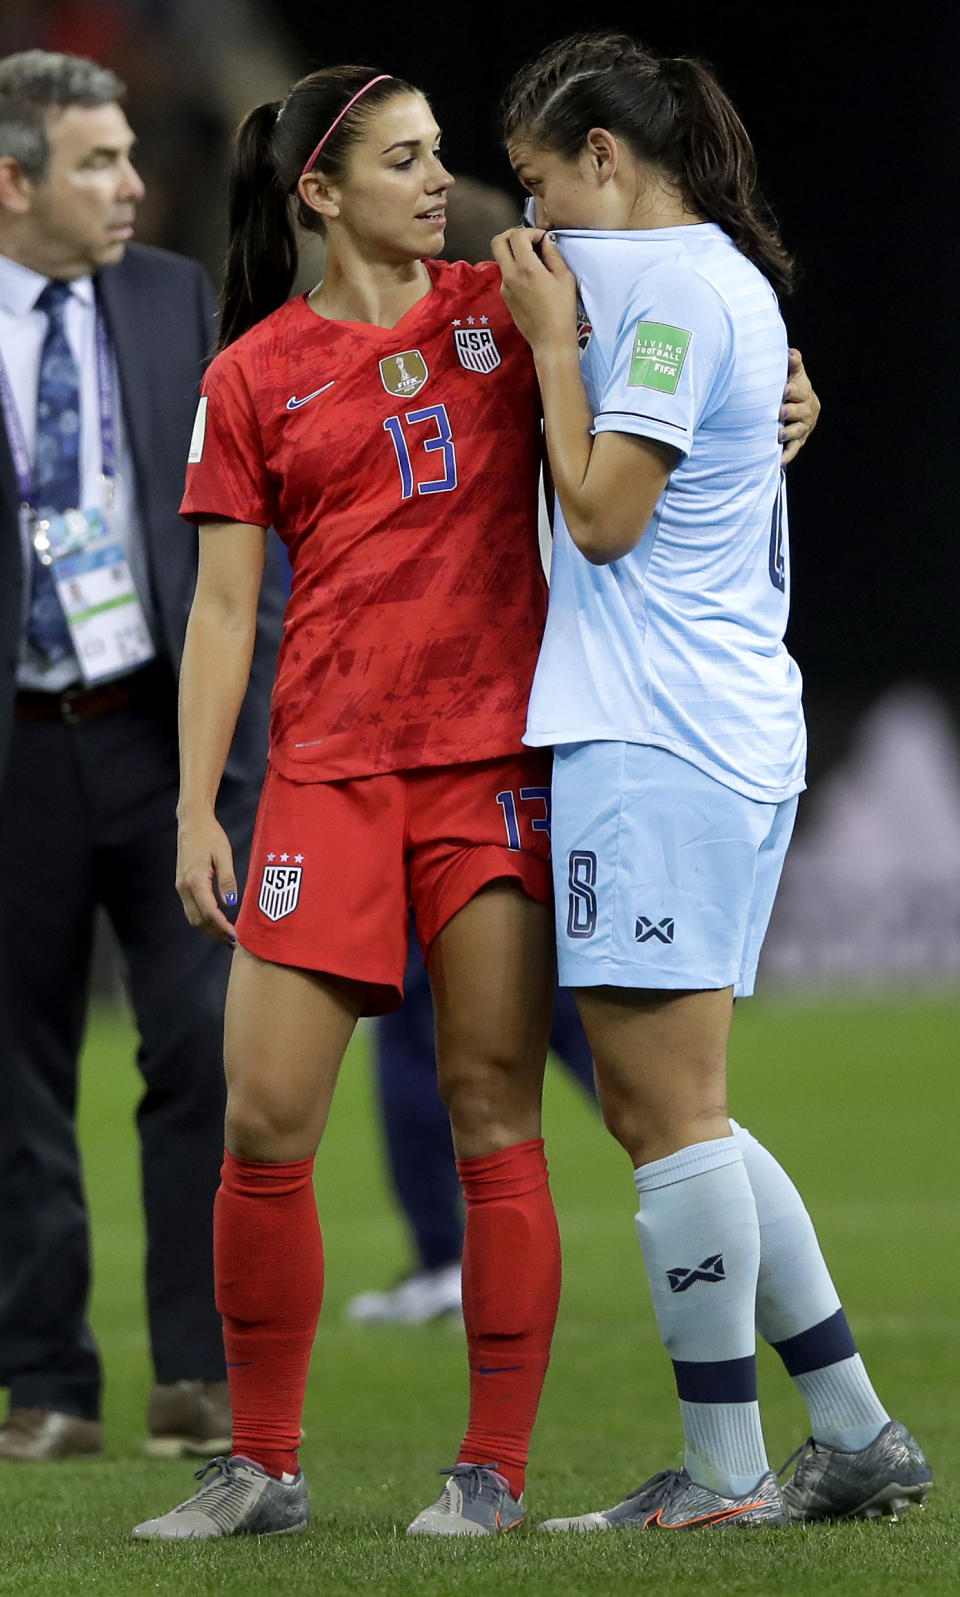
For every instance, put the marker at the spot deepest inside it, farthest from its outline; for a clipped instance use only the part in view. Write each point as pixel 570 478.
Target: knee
pixel 627 1124
pixel 651 1131
pixel 268 1126
pixel 491 1106
pixel 654 1125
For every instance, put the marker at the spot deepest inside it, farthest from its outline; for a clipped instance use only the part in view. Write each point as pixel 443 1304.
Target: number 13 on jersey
pixel 442 439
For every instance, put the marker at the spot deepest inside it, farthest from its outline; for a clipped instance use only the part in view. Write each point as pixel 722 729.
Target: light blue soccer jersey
pixel 679 644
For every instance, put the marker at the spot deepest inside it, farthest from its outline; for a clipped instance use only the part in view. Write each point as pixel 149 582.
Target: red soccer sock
pixel 268 1262
pixel 511 1290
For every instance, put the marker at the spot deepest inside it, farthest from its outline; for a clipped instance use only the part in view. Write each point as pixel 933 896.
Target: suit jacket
pixel 160 315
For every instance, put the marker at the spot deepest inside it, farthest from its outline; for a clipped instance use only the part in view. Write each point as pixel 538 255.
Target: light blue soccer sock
pixel 701 1246
pixel 799 1312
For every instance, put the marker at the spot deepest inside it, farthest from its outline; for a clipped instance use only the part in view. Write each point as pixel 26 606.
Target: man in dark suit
pixel 102 344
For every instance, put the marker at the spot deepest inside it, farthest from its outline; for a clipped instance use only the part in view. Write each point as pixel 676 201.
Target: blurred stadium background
pixel 847 1061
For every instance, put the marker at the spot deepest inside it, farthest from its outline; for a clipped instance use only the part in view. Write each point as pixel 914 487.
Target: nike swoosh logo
pixel 294 404
pixel 655 1521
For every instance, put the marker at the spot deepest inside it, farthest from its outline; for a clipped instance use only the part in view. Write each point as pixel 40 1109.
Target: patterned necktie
pixel 56 469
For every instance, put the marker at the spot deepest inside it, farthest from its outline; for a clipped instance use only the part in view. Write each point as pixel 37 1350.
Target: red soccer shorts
pixel 336 866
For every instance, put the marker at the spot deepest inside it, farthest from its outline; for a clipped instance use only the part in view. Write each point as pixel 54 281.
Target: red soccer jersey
pixel 400 468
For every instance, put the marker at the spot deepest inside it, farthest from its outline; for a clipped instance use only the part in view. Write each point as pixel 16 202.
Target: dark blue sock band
pixel 726 1381
pixel 826 1343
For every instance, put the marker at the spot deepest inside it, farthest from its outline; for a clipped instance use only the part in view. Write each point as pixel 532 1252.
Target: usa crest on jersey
pixel 404 375
pixel 476 349
pixel 280 890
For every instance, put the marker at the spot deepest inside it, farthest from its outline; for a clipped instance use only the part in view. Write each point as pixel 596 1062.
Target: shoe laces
pixel 220 1466
pixel 801 1453
pixel 657 1488
pixel 478 1475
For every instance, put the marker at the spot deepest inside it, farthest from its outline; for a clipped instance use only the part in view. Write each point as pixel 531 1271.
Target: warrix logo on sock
pixel 681 1278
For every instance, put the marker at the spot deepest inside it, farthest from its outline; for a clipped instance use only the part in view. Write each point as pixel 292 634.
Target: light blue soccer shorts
pixel 664 878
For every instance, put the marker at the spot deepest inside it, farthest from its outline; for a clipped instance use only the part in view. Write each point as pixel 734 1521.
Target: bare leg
pixel 661 1066
pixel 285 1035
pixel 493 977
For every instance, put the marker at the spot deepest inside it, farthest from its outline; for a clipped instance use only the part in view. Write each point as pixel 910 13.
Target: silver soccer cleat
pixel 236 1498
pixel 476 1501
pixel 876 1482
pixel 672 1501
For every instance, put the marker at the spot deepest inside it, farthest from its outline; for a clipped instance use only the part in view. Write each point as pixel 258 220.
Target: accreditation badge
pixel 96 591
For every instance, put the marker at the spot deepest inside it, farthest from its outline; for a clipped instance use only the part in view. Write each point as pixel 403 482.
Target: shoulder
pixel 262 351
pixel 682 282
pixel 673 303
pixel 270 336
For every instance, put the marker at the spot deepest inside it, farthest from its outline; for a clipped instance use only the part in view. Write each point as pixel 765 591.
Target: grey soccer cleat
pixel 672 1501
pixel 875 1482
pixel 476 1501
pixel 239 1499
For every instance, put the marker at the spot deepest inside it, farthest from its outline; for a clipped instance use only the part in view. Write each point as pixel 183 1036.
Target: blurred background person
pixel 103 345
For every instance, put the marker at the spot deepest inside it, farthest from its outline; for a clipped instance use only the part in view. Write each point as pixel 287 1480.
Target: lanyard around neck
pixel 108 435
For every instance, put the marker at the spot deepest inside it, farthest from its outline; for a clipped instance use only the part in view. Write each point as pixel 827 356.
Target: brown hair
pixel 270 148
pixel 670 110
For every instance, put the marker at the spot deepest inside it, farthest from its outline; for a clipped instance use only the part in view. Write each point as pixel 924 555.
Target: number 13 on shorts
pixel 512 813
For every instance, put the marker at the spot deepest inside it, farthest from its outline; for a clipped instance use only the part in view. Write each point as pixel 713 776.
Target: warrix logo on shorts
pixel 659 352
pixel 663 931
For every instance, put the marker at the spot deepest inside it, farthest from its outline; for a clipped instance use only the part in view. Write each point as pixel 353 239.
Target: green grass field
pixel 860 1103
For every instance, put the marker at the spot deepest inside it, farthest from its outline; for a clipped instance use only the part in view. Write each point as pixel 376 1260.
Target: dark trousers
pixel 415 1123
pixel 87 818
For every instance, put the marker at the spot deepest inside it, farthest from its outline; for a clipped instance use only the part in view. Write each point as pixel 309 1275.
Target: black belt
pixel 85 704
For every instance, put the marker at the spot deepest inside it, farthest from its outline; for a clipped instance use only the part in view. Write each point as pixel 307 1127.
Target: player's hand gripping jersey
pixel 680 643
pixel 400 468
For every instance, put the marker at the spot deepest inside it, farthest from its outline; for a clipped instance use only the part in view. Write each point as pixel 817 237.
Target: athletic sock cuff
pixel 686 1162
pixel 508 1173
pixel 274 1179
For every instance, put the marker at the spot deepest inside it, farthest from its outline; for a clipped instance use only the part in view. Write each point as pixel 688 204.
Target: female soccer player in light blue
pixel 674 709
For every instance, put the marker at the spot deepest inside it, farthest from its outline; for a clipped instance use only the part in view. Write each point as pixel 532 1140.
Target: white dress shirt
pixel 23 329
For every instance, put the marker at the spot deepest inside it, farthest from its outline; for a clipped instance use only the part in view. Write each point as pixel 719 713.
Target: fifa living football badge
pixel 476 349
pixel 280 888
pixel 659 352
pixel 404 375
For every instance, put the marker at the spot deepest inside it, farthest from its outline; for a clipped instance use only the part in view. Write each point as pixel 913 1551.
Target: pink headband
pixel 338 119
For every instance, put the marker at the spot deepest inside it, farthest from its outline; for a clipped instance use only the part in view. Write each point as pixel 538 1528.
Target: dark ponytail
pixel 262 254
pixel 671 112
pixel 270 149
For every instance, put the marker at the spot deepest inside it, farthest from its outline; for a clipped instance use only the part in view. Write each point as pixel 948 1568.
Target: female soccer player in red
pixel 386 425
